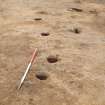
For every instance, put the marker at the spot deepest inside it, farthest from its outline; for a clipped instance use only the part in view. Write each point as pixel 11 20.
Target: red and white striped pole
pixel 28 67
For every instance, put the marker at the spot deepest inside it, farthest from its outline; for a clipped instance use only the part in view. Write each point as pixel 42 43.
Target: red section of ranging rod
pixel 28 68
pixel 33 56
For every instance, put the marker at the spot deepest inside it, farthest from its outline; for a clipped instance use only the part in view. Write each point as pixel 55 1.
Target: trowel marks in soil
pixel 100 1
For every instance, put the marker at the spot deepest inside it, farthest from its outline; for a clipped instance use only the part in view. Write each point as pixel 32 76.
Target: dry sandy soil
pixel 76 36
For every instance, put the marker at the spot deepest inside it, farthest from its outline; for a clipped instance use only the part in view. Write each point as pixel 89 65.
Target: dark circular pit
pixel 37 19
pixel 52 59
pixel 45 34
pixel 41 75
pixel 76 30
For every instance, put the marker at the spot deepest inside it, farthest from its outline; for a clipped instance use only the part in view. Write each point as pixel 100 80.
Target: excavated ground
pixel 70 37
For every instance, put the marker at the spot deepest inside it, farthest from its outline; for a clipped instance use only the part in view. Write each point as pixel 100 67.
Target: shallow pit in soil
pixel 45 34
pixel 37 19
pixel 42 75
pixel 76 30
pixel 52 59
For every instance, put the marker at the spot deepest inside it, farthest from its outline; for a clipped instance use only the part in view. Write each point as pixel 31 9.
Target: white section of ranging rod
pixel 27 70
pixel 23 78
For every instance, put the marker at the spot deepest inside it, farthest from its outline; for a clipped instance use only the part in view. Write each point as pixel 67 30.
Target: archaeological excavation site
pixel 52 52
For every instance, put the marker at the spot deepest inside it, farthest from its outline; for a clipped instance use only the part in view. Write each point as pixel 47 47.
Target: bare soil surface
pixel 70 37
